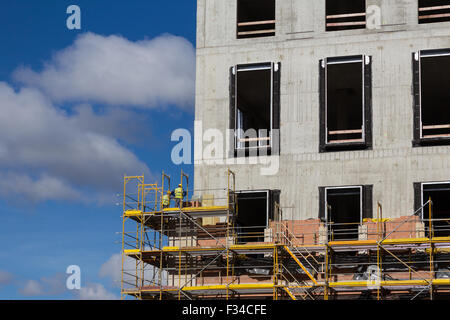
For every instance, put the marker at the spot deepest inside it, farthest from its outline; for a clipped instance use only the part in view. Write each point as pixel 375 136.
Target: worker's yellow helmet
pixel 179 185
pixel 168 192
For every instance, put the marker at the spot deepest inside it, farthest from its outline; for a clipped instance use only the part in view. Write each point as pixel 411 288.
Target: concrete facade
pixel 392 166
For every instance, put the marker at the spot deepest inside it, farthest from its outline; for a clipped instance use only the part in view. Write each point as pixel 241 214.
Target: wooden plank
pixel 348 15
pixel 256 23
pixel 437 136
pixel 440 126
pixel 254 139
pixel 343 24
pixel 345 132
pixel 434 8
pixel 256 32
pixel 345 141
pixel 435 16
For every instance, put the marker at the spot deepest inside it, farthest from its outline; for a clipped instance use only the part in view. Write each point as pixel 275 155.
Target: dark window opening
pixel 254 92
pixel 345 14
pixel 255 18
pixel 435 77
pixel 431 97
pixel 346 103
pixel 440 214
pixel 254 111
pixel 431 11
pixel 343 209
pixel 344 212
pixel 255 211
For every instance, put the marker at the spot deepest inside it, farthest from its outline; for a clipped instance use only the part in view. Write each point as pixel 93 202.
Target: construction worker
pixel 166 200
pixel 179 194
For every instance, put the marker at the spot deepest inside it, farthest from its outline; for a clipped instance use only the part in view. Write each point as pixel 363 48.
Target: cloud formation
pixel 5 277
pixel 46 286
pixel 115 71
pixel 95 291
pixel 46 153
pixel 56 285
pixel 32 288
pixel 41 189
pixel 112 269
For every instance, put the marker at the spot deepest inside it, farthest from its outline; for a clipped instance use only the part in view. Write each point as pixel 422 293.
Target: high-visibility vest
pixel 179 193
pixel 166 200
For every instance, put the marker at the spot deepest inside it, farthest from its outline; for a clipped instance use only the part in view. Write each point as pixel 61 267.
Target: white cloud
pixel 53 285
pixel 113 269
pixel 32 288
pixel 40 189
pixel 51 153
pixel 119 123
pixel 116 71
pixel 56 285
pixel 5 277
pixel 95 291
pixel 45 153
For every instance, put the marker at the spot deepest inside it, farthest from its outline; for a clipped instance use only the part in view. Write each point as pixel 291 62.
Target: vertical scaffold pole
pixel 275 272
pixel 123 236
pixel 327 253
pixel 326 289
pixel 142 239
pixel 136 282
pixel 431 236
pixel 228 229
pixel 161 233
pixel 229 207
pixel 379 236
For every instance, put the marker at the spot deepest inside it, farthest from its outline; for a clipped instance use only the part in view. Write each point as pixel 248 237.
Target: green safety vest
pixel 166 200
pixel 178 193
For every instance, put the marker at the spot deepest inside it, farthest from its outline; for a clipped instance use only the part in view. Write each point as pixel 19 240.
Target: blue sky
pixel 62 125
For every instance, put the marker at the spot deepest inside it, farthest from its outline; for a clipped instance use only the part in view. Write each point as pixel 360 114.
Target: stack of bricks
pixel 398 228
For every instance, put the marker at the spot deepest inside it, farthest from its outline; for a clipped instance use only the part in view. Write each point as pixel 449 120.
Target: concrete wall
pixel 300 42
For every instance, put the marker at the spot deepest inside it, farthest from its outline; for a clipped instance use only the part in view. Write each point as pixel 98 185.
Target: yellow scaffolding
pixel 171 253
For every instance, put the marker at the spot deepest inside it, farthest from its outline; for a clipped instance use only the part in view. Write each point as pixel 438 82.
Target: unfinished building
pixel 356 112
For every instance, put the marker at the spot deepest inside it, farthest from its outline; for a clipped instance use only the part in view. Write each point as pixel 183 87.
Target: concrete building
pixel 322 132
pixel 363 102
